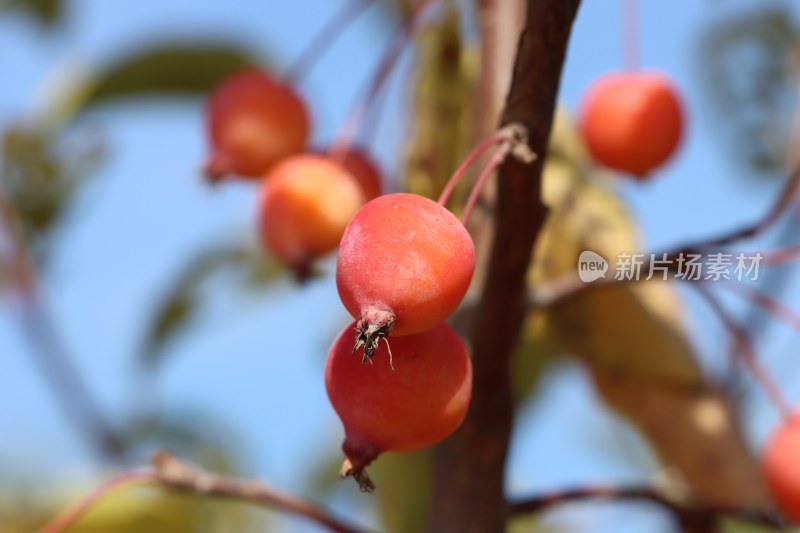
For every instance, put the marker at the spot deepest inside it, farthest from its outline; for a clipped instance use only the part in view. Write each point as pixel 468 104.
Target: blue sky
pixel 247 363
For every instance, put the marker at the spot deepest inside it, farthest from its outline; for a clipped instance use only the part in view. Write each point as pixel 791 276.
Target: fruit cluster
pixel 258 128
pixel 404 264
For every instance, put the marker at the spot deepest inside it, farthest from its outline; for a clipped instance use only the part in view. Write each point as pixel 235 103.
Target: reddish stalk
pixel 496 138
pixel 349 130
pixel 325 38
pixel 781 255
pixel 494 163
pixel 630 34
pixel 747 353
pixel 771 305
pixel 74 512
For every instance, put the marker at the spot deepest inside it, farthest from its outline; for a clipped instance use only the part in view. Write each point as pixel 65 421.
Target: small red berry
pixel 780 464
pixel 404 264
pixel 418 403
pixel 253 121
pixel 305 204
pixel 632 121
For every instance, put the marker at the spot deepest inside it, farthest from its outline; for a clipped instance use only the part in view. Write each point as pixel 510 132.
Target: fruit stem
pixel 630 34
pixel 496 138
pixel 514 141
pixel 358 454
pixel 347 133
pixel 324 39
pixel 496 160
pixel 217 167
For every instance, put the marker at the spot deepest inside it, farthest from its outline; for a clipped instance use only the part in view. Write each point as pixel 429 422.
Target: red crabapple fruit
pixel 253 121
pixel 305 204
pixel 418 403
pixel 632 121
pixel 404 264
pixel 365 171
pixel 781 467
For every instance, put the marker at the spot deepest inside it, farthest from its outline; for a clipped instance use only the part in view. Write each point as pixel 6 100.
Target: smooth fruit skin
pixel 420 402
pixel 253 121
pixel 632 121
pixel 305 204
pixel 405 259
pixel 780 464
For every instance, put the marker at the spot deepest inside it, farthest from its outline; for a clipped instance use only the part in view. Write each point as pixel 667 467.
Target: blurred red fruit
pixel 365 171
pixel 253 121
pixel 780 463
pixel 363 168
pixel 632 121
pixel 305 205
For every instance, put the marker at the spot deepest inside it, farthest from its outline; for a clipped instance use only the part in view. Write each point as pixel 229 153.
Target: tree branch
pixel 690 516
pixel 169 471
pixel 52 357
pixel 470 465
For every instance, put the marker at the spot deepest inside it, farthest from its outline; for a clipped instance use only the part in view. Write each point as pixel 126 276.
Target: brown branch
pixel 470 466
pixel 691 516
pixel 54 361
pixel 551 292
pixel 173 473
pixel 747 352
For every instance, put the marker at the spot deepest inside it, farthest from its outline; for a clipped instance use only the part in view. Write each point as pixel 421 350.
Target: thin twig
pixel 686 513
pixel 55 362
pixel 747 352
pixel 173 473
pixel 324 39
pixel 496 138
pixel 630 34
pixel 73 513
pixel 349 130
pixel 767 303
pixel 515 143
pixel 552 291
pixel 781 255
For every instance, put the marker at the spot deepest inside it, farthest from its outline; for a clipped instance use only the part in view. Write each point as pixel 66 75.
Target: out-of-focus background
pixel 185 341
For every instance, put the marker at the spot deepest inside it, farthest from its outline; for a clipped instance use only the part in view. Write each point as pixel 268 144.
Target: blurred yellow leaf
pixel 631 337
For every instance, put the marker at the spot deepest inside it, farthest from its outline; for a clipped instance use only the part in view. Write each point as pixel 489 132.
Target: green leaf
pixel 40 178
pixel 404 483
pixel 747 68
pixel 170 68
pixel 184 302
pixel 165 69
pixel 47 12
pixel 730 525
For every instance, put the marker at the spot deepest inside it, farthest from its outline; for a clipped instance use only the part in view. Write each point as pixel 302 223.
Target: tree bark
pixel 469 467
